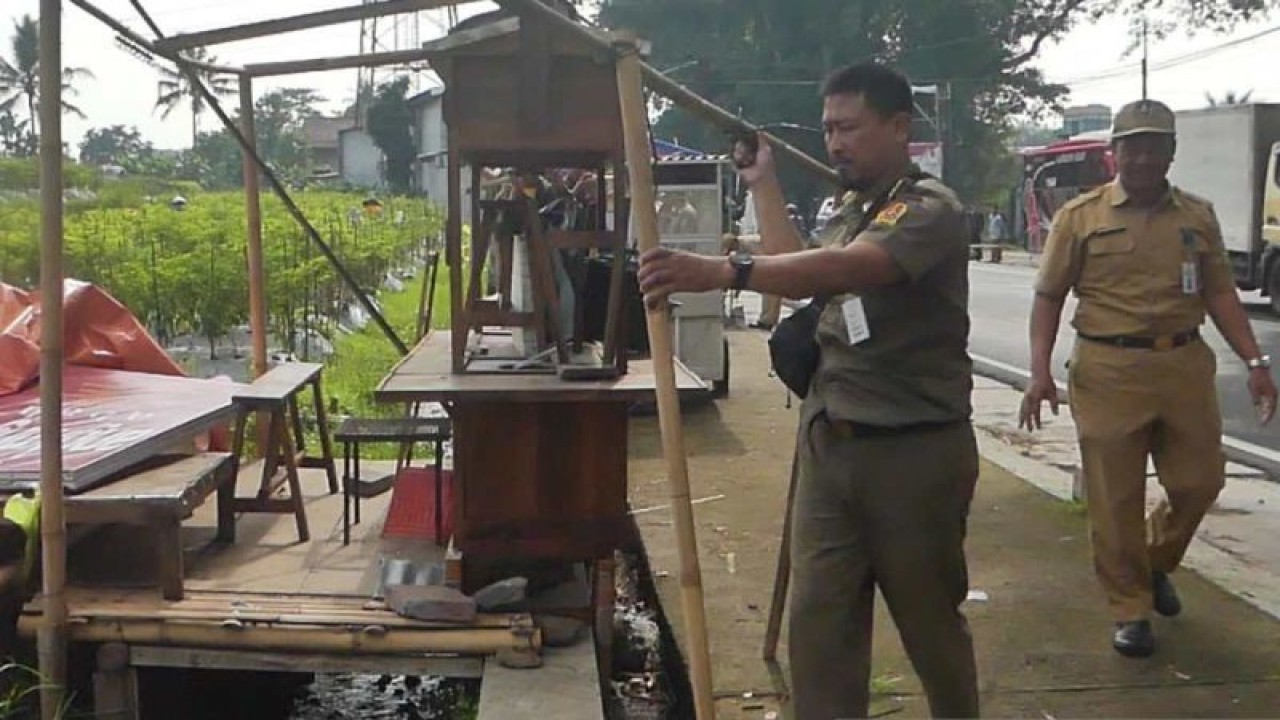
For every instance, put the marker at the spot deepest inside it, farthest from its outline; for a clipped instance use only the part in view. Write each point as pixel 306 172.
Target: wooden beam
pixel 146 45
pixel 291 67
pixel 293 23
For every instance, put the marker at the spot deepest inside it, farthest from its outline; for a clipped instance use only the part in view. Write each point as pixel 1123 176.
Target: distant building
pixel 1079 119
pixel 322 136
pixel 360 162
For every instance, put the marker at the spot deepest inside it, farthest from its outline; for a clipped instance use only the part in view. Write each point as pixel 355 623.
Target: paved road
pixel 1000 300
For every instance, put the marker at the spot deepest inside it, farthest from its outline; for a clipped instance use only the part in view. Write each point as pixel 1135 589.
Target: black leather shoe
pixel 1164 596
pixel 1134 639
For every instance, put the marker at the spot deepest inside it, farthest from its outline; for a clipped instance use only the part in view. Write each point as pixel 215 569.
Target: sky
pixel 1183 68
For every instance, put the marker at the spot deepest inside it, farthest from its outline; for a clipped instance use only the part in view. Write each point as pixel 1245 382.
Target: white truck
pixel 1230 155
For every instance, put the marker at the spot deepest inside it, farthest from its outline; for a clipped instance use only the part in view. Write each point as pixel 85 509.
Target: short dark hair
pixel 883 89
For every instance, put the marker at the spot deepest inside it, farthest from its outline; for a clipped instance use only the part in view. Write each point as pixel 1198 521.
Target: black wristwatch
pixel 742 263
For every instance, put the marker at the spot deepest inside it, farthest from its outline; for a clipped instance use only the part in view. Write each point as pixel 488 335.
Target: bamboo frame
pixel 643 207
pixel 632 72
pixel 52 636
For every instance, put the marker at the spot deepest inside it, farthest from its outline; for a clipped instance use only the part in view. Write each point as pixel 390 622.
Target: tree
pixel 175 88
pixel 278 121
pixel 20 76
pixel 115 145
pixel 1230 97
pixel 390 123
pixel 14 138
pixel 763 58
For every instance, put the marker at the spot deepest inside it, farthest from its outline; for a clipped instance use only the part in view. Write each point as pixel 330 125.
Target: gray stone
pixel 502 594
pixel 431 602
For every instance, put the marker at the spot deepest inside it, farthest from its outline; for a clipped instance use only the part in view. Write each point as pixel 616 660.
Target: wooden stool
pixel 276 393
pixel 354 431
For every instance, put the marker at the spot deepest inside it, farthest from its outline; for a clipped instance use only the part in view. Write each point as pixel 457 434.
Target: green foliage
pixel 117 145
pixel 390 124
pixel 185 271
pixel 20 80
pixel 176 88
pixel 764 59
pixel 22 174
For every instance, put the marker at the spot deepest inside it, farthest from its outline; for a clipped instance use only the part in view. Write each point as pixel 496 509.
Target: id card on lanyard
pixel 1190 264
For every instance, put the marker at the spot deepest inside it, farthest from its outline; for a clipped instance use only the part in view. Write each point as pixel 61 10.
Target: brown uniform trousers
pixel 1128 266
pixel 886 511
pixel 1128 403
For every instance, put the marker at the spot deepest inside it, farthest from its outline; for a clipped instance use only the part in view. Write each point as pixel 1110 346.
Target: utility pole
pixel 1144 57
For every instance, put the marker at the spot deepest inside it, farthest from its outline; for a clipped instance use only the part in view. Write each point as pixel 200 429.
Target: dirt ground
pixel 1042 634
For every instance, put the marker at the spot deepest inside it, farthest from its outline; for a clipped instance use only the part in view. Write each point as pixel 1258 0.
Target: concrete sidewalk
pixel 1039 621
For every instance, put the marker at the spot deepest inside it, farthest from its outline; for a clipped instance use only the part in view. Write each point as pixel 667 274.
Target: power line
pixel 1185 58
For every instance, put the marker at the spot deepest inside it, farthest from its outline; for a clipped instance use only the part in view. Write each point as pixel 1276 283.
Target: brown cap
pixel 1141 118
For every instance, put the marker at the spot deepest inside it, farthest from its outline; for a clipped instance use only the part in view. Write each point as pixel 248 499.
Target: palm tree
pixel 175 87
pixel 1228 98
pixel 20 77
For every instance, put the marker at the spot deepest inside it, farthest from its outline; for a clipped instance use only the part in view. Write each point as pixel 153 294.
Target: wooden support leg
pixel 605 595
pixel 227 489
pixel 326 441
pixel 276 434
pixel 295 487
pixel 115 684
pixel 169 554
pixel 506 266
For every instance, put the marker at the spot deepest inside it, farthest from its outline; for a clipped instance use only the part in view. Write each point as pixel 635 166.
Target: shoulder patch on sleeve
pixel 891 214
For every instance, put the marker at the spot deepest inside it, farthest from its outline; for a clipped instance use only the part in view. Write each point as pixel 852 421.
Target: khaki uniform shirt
pixel 915 366
pixel 1129 266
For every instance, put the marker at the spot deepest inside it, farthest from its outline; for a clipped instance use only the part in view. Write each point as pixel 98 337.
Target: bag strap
pixel 873 209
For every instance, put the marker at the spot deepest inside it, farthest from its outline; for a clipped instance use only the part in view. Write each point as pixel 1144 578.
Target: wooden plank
pixel 186 41
pixel 182 484
pixel 278 384
pixel 424 375
pixel 196 659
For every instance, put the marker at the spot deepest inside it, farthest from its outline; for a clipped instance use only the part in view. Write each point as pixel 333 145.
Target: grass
pixel 361 359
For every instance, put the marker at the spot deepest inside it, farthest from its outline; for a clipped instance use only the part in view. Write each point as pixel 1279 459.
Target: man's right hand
pixel 1040 390
pixel 754 168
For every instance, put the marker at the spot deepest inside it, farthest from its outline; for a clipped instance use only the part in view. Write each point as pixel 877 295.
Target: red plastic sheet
pixel 97 332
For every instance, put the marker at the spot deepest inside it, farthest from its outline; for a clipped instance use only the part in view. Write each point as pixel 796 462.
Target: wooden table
pixel 540 463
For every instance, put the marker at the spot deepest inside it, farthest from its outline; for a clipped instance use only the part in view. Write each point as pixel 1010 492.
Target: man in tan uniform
pixel 888 460
pixel 1146 261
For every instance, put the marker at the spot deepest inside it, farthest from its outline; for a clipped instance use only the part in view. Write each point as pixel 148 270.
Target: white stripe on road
pixel 1244 451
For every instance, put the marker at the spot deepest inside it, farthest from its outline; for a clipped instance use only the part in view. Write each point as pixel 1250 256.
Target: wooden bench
pixel 160 498
pixel 276 394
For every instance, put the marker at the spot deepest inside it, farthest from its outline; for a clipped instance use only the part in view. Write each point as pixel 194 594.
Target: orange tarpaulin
pixel 97 331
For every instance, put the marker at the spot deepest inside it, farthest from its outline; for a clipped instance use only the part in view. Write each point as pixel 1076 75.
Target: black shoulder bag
pixel 793 346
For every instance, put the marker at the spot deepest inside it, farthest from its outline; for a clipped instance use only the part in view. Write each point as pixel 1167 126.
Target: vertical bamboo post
pixel 640 171
pixel 52 635
pixel 253 251
pixel 253 218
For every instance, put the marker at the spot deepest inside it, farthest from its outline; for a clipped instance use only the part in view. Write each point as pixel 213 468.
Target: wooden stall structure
pixel 541 446
pixel 524 98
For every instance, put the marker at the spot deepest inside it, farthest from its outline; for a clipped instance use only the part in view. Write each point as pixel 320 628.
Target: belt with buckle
pixel 1159 342
pixel 848 429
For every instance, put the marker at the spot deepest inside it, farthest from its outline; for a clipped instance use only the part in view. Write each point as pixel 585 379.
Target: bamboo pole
pixel 640 172
pixel 294 638
pixel 677 93
pixel 253 218
pixel 51 642
pixel 186 41
pixel 291 67
pixel 782 573
pixel 142 43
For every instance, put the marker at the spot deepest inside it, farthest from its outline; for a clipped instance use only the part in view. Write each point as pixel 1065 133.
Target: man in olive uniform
pixel 1146 262
pixel 888 461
